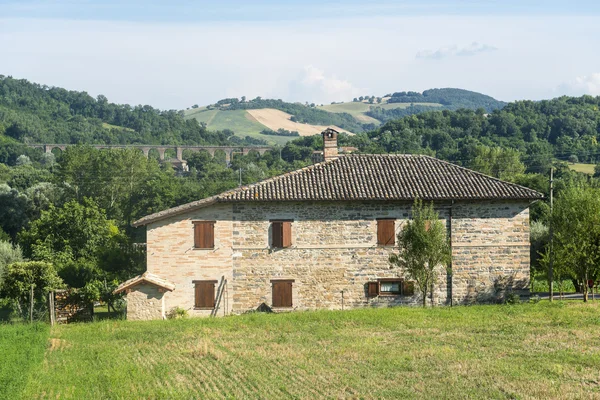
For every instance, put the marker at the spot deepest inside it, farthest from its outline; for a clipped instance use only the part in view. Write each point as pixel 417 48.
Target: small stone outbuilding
pixel 320 238
pixel 145 296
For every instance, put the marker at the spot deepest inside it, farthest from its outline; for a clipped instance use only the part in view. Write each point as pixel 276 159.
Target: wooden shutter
pixel 204 234
pixel 373 289
pixel 282 293
pixel 204 294
pixel 277 234
pixel 408 288
pixel 286 231
pixel 386 232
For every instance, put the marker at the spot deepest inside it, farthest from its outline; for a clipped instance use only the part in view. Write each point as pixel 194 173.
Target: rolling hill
pixel 250 118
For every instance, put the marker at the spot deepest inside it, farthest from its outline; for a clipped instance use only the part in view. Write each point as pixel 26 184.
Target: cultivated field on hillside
pixel 358 109
pixel 585 168
pixel 239 121
pixel 275 119
pixel 504 352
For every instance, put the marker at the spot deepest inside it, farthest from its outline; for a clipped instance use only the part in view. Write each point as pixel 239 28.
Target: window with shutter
pixel 281 234
pixel 282 293
pixel 204 295
pixel 390 287
pixel 204 234
pixel 386 232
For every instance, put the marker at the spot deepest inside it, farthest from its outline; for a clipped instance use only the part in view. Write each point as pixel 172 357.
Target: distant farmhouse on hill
pixel 320 238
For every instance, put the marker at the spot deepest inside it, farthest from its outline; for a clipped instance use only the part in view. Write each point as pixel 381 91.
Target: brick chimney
pixel 330 145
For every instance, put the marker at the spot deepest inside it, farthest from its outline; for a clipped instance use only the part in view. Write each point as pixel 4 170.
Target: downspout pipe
pixel 450 243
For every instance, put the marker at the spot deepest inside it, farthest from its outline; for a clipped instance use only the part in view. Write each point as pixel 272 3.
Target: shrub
pixel 177 313
pixel 512 298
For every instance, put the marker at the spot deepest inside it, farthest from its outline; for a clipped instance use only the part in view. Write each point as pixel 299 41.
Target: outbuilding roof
pixel 373 177
pixel 146 277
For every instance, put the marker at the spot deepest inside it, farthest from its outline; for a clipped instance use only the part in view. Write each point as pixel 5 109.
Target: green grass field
pixel 585 168
pixel 506 352
pixel 22 348
pixel 358 109
pixel 238 121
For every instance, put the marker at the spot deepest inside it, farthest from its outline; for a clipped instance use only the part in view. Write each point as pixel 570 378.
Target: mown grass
pixel 239 121
pixel 22 348
pixel 585 168
pixel 524 351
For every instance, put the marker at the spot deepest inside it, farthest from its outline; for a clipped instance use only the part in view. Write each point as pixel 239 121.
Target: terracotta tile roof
pixel 362 177
pixel 146 277
pixel 381 177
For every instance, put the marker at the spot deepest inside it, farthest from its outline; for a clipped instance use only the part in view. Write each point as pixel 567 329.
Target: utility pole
pixel 551 263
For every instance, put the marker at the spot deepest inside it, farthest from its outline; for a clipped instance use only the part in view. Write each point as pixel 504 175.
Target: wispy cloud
pixel 313 83
pixel 586 84
pixel 456 51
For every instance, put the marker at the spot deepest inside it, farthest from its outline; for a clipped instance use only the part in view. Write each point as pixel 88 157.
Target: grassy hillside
pixel 585 168
pixel 253 121
pixel 358 109
pixel 523 351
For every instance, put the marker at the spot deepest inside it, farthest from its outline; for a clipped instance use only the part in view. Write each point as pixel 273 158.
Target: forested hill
pixel 449 97
pixel 433 99
pixel 34 113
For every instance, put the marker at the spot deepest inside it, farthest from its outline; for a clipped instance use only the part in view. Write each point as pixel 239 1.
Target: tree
pixel 423 247
pixel 576 233
pixel 8 254
pixel 20 277
pixel 71 237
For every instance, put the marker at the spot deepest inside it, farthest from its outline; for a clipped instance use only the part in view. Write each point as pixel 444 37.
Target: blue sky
pixel 178 53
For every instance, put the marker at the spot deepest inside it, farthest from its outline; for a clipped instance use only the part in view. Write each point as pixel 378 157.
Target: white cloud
pixel 314 85
pixel 456 51
pixel 586 84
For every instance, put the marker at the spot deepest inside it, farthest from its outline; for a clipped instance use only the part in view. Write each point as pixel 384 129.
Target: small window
pixel 204 295
pixel 204 234
pixel 281 234
pixel 390 287
pixel 282 293
pixel 386 232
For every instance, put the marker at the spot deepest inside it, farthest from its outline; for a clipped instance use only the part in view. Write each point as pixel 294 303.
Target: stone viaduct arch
pixel 228 150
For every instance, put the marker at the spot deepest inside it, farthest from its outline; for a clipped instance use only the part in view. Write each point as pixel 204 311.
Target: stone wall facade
pixel 334 253
pixel 145 301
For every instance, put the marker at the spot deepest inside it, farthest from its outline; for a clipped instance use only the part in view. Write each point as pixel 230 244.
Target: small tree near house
pixel 423 246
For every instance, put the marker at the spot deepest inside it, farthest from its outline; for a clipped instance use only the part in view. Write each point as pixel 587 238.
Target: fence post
pixel 51 307
pixel 31 304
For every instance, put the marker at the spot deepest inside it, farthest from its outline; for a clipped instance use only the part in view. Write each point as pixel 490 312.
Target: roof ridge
pixel 472 171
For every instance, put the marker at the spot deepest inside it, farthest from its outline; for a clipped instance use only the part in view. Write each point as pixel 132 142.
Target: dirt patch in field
pixel 57 344
pixel 275 119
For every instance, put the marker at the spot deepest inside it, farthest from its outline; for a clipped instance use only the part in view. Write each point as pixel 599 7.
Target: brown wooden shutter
pixel 286 233
pixel 386 232
pixel 277 234
pixel 408 288
pixel 373 289
pixel 204 234
pixel 197 299
pixel 282 293
pixel 204 294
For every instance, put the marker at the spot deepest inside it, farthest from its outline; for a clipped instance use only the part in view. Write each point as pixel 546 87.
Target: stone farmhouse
pixel 320 238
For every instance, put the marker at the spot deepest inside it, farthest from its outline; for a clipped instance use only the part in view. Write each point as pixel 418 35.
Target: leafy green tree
pixel 8 254
pixel 423 247
pixel 498 162
pixel 576 233
pixel 71 237
pixel 20 277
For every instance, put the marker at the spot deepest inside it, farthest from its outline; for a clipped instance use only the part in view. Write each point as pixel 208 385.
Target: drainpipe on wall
pixel 450 240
